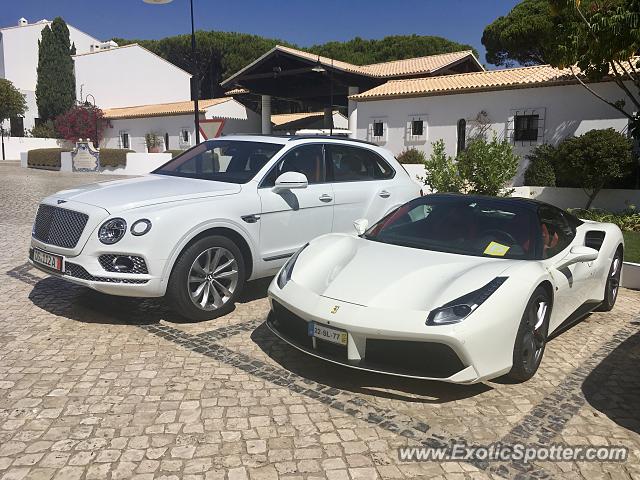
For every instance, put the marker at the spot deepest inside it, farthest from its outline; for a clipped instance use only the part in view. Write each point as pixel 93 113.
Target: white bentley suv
pixel 224 212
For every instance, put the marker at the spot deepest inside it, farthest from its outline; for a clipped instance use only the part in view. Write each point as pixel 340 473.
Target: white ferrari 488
pixel 456 288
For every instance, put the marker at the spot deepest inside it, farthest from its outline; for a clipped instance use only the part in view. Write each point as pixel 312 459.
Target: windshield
pixel 231 161
pixel 463 225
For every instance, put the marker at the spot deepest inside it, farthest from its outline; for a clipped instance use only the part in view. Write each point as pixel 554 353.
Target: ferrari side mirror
pixel 578 254
pixel 361 225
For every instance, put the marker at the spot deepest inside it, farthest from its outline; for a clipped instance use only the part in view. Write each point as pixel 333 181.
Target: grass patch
pixel 632 246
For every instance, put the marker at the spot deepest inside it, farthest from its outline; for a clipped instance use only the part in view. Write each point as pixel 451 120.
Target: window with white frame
pixel 526 126
pixel 125 142
pixel 378 131
pixel 416 129
pixel 184 139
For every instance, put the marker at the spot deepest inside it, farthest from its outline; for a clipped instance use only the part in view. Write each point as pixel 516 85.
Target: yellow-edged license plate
pixel 49 260
pixel 327 334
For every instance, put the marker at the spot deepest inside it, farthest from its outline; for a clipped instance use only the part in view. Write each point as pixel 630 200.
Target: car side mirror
pixel 361 225
pixel 578 254
pixel 291 180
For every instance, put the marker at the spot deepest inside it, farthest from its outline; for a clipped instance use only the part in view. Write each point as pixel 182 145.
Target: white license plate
pixel 49 260
pixel 327 333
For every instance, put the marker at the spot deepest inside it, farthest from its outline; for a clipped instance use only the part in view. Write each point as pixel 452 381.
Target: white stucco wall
pixel 237 118
pixel 20 52
pixel 567 110
pixel 130 75
pixel 139 127
pixel 19 59
pixel 14 146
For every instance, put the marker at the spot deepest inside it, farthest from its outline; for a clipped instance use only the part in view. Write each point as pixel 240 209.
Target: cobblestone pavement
pixel 93 388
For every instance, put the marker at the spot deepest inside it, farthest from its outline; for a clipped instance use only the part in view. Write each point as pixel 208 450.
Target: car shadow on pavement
pixel 613 387
pixel 88 306
pixel 255 290
pixel 360 381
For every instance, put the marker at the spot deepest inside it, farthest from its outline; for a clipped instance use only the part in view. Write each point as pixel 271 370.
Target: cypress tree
pixel 56 85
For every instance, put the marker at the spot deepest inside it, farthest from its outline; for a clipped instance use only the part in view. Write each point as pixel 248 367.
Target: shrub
pixel 441 171
pixel 594 159
pixel 113 157
pixel 486 167
pixel 48 158
pixel 628 220
pixel 81 121
pixel 412 156
pixel 540 172
pixel 43 130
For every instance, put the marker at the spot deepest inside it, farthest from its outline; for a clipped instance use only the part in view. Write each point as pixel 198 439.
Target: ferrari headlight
pixel 460 308
pixel 285 274
pixel 112 231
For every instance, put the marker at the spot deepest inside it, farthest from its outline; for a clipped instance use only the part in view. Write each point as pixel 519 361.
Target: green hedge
pixel 113 157
pixel 48 158
pixel 628 220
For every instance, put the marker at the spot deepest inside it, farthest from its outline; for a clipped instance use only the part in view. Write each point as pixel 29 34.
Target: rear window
pixel 353 164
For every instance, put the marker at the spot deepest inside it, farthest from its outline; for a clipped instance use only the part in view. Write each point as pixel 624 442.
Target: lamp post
pixel 195 82
pixel 93 103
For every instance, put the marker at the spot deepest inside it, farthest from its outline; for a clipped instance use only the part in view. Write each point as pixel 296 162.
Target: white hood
pixel 122 195
pixel 364 272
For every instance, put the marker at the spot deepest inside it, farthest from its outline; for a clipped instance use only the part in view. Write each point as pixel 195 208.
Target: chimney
pixel 22 22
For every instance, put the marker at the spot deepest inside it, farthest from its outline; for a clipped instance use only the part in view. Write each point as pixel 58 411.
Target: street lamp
pixel 195 84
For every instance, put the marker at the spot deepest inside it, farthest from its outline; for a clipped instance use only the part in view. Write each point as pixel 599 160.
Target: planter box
pixel 631 275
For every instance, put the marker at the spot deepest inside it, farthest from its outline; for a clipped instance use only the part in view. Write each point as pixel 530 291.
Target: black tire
pixel 531 341
pixel 180 287
pixel 612 285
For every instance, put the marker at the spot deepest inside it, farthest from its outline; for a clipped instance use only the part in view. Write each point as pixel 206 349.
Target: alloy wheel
pixel 535 337
pixel 212 278
pixel 613 282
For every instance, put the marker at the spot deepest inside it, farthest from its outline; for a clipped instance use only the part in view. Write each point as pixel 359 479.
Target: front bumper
pixel 87 271
pixel 394 342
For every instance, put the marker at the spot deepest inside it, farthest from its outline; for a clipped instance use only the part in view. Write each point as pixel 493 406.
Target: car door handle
pixel 384 194
pixel 326 198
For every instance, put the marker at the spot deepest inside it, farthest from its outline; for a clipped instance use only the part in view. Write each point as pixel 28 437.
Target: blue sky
pixel 301 22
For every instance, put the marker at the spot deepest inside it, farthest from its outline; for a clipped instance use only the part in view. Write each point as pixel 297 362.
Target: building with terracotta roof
pixel 528 106
pixel 171 124
pixel 323 83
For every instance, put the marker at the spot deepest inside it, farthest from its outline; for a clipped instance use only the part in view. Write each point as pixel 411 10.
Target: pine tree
pixel 56 85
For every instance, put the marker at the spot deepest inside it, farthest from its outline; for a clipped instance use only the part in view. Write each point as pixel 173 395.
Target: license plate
pixel 327 333
pixel 49 260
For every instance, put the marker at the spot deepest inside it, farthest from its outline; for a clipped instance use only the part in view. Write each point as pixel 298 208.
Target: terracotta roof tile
pixel 488 80
pixel 426 65
pixel 236 91
pixel 161 109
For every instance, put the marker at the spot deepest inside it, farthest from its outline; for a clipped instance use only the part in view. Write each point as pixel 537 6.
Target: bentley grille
pixel 59 226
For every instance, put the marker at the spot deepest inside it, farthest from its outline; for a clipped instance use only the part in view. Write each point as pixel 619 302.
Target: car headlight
pixel 460 308
pixel 285 274
pixel 112 231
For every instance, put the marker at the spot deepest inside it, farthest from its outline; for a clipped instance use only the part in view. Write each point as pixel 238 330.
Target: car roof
pixel 283 139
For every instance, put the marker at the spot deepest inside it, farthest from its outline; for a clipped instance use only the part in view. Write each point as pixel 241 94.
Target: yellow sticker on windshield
pixel 496 249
